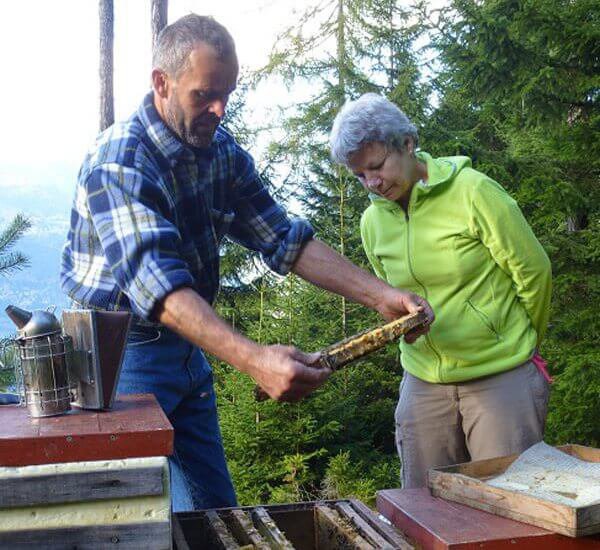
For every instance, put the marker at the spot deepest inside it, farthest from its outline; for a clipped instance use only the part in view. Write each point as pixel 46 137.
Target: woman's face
pixel 385 171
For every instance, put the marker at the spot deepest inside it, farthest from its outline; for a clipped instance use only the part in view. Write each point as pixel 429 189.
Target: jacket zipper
pixel 428 338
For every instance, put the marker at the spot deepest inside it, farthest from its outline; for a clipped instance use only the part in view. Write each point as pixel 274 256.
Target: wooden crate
pixel 465 483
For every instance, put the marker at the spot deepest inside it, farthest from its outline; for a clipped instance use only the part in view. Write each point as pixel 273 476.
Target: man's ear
pixel 160 83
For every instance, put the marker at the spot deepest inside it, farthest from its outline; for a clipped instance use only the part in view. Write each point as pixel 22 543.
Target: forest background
pixel 513 84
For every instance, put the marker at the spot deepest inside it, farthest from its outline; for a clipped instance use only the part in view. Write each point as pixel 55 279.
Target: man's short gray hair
pixel 177 40
pixel 370 118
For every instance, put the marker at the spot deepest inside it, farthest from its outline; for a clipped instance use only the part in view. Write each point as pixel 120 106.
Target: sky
pixel 50 103
pixel 50 62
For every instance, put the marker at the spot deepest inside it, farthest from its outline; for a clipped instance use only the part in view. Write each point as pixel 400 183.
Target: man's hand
pixel 284 372
pixel 394 303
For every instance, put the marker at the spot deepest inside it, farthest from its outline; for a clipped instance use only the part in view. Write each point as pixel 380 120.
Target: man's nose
pixel 217 107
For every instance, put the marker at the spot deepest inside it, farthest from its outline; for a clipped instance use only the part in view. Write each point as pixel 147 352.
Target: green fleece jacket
pixel 465 246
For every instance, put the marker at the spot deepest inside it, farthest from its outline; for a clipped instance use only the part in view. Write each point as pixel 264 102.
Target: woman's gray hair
pixel 370 118
pixel 176 42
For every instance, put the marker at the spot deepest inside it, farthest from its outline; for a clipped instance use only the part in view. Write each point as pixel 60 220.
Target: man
pixel 155 197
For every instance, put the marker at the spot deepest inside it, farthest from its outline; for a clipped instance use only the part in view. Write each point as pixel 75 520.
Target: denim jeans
pixel 160 362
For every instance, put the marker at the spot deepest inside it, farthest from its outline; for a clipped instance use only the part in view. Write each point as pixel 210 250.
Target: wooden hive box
pixel 87 479
pixel 324 525
pixel 465 483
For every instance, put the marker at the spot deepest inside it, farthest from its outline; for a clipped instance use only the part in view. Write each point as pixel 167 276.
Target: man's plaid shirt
pixel 149 214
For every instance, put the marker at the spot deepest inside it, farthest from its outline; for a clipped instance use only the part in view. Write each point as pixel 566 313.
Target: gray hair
pixel 177 40
pixel 370 118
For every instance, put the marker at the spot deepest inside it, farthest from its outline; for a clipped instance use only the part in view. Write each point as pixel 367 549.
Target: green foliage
pixel 512 84
pixel 11 261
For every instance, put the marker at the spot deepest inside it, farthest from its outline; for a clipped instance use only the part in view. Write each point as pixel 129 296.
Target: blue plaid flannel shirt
pixel 149 215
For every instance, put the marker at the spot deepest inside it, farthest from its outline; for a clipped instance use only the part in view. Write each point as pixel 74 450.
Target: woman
pixel 453 235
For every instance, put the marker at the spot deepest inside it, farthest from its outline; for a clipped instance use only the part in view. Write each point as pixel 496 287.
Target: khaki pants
pixel 443 424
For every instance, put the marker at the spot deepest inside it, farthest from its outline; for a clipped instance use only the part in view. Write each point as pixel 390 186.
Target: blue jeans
pixel 160 362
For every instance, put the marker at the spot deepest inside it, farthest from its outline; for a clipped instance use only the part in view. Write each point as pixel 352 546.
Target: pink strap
pixel 541 365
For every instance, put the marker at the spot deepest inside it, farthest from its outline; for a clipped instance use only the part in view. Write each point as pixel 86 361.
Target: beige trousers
pixel 443 424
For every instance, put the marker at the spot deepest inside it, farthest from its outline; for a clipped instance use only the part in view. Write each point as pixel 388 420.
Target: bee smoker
pixel 77 362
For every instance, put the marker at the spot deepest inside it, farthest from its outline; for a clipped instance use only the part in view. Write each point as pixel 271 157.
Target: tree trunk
pixel 107 110
pixel 341 50
pixel 160 10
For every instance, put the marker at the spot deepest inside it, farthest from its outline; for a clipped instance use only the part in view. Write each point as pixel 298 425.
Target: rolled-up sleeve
pixel 261 224
pixel 140 244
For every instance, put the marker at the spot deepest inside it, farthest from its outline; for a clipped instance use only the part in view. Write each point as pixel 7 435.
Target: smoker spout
pixel 18 316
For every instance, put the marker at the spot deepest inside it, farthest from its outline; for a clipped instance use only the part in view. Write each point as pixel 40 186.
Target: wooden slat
pixel 243 528
pixel 367 532
pixel 81 486
pixel 147 536
pixel 219 532
pixel 390 533
pixel 520 507
pixel 269 530
pixel 180 543
pixel 335 533
pixel 135 427
pixel 585 453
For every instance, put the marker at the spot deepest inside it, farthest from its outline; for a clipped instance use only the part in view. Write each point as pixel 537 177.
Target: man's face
pixel 196 99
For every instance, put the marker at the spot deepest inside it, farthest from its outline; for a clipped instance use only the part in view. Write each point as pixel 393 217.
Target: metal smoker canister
pixel 44 352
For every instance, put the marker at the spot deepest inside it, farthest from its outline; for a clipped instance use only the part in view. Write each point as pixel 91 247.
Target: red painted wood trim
pixel 437 524
pixel 135 427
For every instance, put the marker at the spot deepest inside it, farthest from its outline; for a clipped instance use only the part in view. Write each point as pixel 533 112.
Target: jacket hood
pixel 439 172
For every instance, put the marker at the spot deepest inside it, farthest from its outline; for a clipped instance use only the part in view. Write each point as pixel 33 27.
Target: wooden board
pixel 465 483
pixel 93 484
pixel 436 524
pixel 148 535
pixel 135 427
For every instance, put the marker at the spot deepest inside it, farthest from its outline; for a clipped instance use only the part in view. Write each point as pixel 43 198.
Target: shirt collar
pixel 163 138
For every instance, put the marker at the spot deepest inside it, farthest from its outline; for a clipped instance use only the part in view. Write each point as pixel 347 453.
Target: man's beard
pixel 194 135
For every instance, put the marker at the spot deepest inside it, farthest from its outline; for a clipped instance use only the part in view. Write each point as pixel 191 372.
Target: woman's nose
pixel 373 182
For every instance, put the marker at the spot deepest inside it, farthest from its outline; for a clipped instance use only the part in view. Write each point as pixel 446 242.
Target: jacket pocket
pixel 483 319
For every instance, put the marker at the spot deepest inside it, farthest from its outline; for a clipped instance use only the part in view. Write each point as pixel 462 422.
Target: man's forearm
pixel 327 269
pixel 187 313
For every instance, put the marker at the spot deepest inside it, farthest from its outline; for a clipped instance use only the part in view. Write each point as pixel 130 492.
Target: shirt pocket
pixel 221 222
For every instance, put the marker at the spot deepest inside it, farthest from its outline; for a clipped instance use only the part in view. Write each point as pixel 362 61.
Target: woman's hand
pixel 395 303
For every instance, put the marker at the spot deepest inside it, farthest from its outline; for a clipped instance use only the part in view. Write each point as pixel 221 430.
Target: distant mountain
pixel 44 194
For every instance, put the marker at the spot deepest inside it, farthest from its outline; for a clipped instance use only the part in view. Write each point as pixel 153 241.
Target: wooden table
pixel 136 426
pixel 437 524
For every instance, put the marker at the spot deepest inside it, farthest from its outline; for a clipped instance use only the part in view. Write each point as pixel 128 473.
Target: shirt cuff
pixel 152 284
pixel 283 257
